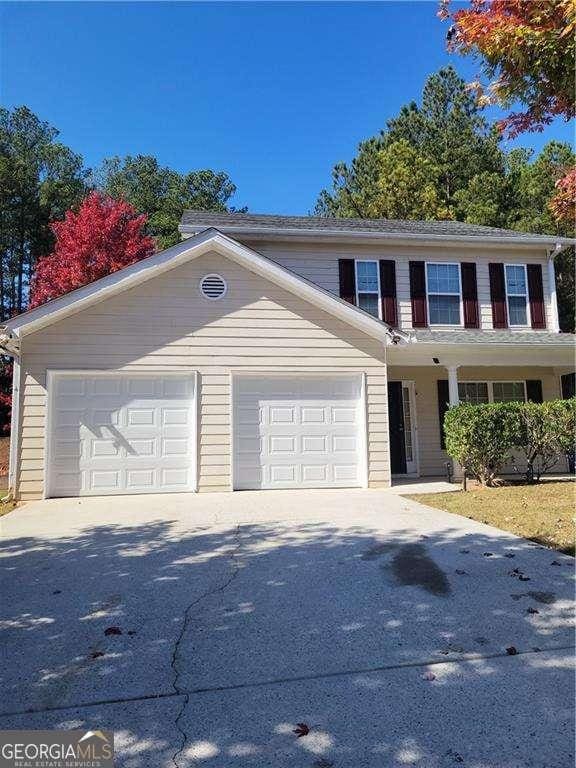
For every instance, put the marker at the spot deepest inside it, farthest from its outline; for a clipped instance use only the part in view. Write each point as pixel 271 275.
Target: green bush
pixel 546 433
pixel 482 438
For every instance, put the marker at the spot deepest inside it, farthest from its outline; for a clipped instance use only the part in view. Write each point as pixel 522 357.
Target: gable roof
pixel 269 224
pixel 207 241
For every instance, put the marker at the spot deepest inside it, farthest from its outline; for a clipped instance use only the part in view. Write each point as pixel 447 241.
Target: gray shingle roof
pixel 250 221
pixel 494 337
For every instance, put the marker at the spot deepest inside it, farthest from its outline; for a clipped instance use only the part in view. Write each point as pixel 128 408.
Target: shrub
pixel 481 437
pixel 546 433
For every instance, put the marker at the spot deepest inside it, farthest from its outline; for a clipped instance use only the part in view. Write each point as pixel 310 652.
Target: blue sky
pixel 272 93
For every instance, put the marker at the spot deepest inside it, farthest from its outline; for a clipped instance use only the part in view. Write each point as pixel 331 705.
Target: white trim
pixel 554 317
pixel 396 237
pixel 53 374
pixel 377 292
pixel 528 323
pixel 291 374
pixel 206 242
pixel 459 294
pixel 14 427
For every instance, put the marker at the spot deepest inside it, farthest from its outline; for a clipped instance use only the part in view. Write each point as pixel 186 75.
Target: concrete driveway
pixel 380 625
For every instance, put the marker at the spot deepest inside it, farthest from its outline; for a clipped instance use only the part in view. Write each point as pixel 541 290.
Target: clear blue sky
pixel 272 93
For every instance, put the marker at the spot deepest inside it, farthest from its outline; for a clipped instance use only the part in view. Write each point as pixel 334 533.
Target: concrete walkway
pixel 380 625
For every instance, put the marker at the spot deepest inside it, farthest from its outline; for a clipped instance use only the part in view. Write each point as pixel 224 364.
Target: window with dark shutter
pixel 536 296
pixel 388 291
pixel 470 295
pixel 443 405
pixel 418 294
pixel 498 296
pixel 347 280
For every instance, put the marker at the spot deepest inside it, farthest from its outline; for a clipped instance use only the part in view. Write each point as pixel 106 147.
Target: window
pixel 508 391
pixel 368 287
pixel 478 392
pixel 473 392
pixel 517 294
pixel 443 287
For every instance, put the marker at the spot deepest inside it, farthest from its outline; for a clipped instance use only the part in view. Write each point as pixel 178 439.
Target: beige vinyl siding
pixel 166 325
pixel 318 262
pixel 432 457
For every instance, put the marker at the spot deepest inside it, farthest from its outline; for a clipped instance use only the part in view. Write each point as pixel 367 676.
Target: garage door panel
pixel 133 435
pixel 297 432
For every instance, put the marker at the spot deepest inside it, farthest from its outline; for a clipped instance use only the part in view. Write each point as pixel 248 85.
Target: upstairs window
pixel 368 287
pixel 517 294
pixel 444 294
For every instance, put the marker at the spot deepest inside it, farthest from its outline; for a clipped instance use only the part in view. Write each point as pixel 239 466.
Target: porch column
pixel 453 397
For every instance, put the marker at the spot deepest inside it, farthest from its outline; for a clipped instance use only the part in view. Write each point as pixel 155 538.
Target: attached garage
pixel 299 431
pixel 120 433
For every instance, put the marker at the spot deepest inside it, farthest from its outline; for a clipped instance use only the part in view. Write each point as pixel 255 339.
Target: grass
pixel 542 513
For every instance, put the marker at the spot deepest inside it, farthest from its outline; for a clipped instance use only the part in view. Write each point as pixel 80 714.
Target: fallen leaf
pixel 555 562
pixel 96 654
pixel 510 554
pixel 532 610
pixel 57 592
pixel 523 578
pixel 301 730
pixel 488 554
pixel 461 573
pixel 511 651
pixel 112 631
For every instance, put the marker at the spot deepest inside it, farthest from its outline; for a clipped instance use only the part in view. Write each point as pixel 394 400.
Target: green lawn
pixel 543 513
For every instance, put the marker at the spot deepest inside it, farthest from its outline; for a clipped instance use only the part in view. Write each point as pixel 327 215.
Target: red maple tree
pixel 104 236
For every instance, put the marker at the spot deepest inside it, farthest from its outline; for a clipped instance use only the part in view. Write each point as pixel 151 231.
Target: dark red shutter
pixel 443 405
pixel 388 291
pixel 418 294
pixel 498 296
pixel 534 391
pixel 470 295
pixel 536 295
pixel 347 280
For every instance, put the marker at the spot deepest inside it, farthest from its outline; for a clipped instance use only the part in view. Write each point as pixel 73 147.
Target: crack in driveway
pixel 186 615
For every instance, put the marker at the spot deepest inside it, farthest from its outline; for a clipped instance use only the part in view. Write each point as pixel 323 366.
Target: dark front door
pixel 396 426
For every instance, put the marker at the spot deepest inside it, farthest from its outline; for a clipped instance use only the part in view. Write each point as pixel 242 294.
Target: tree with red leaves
pixel 104 236
pixel 528 53
pixel 563 204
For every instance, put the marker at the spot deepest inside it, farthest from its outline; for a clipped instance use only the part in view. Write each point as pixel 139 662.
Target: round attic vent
pixel 213 287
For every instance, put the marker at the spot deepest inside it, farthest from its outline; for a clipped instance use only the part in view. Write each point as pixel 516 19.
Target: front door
pixel 401 417
pixel 396 426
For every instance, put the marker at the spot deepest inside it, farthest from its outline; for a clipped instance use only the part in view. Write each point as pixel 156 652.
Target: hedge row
pixel 535 436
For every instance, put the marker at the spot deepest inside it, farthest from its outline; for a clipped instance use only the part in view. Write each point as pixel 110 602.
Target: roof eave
pixel 279 233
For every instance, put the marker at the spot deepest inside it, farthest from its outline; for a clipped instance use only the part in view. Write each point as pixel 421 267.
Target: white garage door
pixel 304 432
pixel 111 434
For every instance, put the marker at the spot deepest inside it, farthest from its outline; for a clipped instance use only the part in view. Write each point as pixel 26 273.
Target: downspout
pixel 554 318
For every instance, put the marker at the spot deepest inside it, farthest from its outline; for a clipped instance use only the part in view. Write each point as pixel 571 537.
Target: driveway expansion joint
pixel 186 693
pixel 186 615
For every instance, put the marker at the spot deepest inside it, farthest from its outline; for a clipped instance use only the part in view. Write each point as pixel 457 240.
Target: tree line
pixel 41 179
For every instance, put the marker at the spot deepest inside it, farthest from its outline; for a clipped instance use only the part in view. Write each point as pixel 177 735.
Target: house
pixel 281 352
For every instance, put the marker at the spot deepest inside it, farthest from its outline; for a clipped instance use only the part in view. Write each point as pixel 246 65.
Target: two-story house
pixel 281 352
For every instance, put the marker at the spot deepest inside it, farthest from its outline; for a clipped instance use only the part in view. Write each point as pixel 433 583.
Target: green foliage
pixel 163 193
pixel 481 437
pixel 546 431
pixel 40 179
